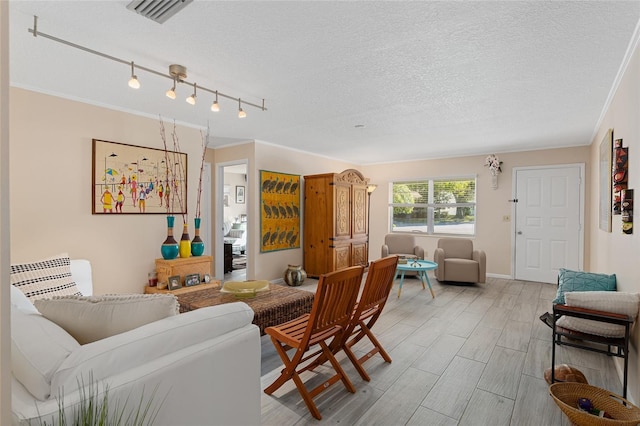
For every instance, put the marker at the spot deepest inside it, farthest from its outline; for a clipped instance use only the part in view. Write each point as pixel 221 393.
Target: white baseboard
pixel 506 277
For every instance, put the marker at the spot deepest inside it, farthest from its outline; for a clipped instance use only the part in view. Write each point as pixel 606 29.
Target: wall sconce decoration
pixel 627 210
pixel 495 168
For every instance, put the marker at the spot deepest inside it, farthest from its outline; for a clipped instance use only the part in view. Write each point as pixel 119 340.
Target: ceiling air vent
pixel 158 10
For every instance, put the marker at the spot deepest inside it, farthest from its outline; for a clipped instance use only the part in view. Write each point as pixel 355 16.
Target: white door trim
pixel 515 170
pixel 219 210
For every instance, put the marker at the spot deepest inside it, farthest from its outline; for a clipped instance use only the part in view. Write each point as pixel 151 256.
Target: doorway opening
pixel 233 208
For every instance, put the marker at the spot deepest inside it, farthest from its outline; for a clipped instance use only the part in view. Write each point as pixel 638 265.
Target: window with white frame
pixel 434 206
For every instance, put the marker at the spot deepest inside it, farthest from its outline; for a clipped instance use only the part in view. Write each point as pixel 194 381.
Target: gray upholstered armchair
pixel 458 261
pixel 402 245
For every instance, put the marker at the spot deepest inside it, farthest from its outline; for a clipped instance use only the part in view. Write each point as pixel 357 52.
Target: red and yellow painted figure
pixel 134 189
pixel 119 200
pixel 107 201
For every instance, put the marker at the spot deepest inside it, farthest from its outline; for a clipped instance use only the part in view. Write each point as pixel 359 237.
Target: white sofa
pixel 197 368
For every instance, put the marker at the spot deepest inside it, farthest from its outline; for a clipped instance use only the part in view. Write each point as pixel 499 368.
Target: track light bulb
pixel 215 106
pixel 171 93
pixel 133 81
pixel 241 113
pixel 192 99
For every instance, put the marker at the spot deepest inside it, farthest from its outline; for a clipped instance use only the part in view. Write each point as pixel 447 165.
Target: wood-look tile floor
pixel 474 355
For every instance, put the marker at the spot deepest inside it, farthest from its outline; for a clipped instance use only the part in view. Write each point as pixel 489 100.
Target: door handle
pixel 519 232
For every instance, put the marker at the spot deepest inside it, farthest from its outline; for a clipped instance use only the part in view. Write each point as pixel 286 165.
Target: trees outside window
pixel 434 206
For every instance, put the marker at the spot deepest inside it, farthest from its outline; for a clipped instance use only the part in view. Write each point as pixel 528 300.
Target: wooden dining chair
pixel 368 309
pixel 328 321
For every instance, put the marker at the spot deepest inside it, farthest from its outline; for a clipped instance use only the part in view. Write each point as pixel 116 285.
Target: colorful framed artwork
pixel 129 179
pixel 605 182
pixel 279 211
pixel 239 194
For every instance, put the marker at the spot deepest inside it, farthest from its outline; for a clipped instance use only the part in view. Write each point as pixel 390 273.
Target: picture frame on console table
pixel 130 179
pixel 191 280
pixel 174 282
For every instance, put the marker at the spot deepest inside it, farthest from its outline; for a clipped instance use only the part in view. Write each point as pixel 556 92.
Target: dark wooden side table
pixel 228 257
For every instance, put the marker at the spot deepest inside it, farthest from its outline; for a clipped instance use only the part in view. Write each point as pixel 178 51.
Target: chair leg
pixel 356 363
pixel 377 348
pixel 340 372
pixel 306 396
pixel 286 373
pixel 289 372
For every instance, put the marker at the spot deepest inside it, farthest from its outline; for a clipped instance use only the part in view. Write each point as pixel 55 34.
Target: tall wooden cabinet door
pixel 342 212
pixel 341 256
pixel 359 254
pixel 359 211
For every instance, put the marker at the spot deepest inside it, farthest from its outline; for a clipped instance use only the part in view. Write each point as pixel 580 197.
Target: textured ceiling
pixel 426 79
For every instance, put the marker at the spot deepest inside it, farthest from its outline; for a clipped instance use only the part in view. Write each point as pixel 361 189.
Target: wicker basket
pixel 566 396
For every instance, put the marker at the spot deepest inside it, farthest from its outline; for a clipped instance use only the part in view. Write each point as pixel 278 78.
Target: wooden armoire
pixel 336 222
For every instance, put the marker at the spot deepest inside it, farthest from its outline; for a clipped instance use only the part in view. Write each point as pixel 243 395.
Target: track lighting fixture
pixel 177 73
pixel 133 81
pixel 215 107
pixel 171 93
pixel 241 113
pixel 192 99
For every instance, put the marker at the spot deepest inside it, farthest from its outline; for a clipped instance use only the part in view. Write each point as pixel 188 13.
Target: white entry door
pixel 548 221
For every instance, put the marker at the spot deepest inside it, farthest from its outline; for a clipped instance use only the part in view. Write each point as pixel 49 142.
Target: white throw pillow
pixel 38 348
pixel 91 318
pixel 609 301
pixel 20 301
pixel 45 278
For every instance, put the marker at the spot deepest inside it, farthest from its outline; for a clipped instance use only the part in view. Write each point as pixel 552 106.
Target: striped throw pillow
pixel 45 278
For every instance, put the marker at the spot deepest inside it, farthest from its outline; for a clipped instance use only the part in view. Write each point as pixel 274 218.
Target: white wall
pixel 264 156
pixel 5 318
pixel 235 209
pixel 51 142
pixel 493 235
pixel 615 252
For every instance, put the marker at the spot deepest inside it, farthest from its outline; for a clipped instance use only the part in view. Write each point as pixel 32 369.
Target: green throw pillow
pixel 582 281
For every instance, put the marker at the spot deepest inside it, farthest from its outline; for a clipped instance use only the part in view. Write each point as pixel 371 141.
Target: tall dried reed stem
pixel 174 170
pixel 205 143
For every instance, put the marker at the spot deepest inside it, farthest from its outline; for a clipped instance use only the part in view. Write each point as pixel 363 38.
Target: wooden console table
pixel 183 266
